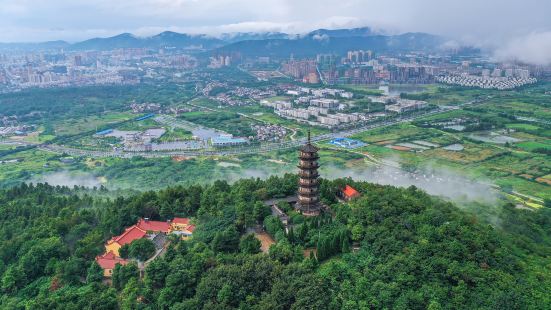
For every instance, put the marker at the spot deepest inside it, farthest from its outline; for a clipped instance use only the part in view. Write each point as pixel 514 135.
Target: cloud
pixel 439 182
pixel 450 45
pixel 534 48
pixel 489 19
pixel 321 38
pixel 65 178
pixel 506 26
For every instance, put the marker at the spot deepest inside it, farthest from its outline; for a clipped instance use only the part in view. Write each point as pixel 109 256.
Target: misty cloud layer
pixel 438 182
pixel 441 182
pixel 64 178
pixel 534 48
pixel 514 29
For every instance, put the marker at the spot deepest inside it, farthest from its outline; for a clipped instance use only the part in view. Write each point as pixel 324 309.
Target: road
pixel 262 148
pixel 249 149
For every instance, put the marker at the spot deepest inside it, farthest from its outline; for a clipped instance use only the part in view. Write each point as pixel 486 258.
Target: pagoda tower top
pixel 308 192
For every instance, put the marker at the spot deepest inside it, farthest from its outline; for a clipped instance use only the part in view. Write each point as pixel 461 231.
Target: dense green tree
pixel 13 279
pixel 284 252
pixel 226 241
pixel 272 225
pixel 260 211
pixel 249 244
pixel 94 274
pixel 141 249
pixel 124 251
pixel 123 274
pixel 415 251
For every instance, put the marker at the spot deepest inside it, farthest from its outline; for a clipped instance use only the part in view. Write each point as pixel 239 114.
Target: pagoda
pixel 308 191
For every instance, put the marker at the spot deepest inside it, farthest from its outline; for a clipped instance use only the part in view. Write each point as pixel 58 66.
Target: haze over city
pixel 494 25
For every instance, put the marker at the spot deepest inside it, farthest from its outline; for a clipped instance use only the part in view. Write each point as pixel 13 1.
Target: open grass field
pixel 87 123
pixel 362 89
pixel 523 126
pixel 531 146
pixel 139 125
pixel 4 147
pixel 229 122
pixel 28 166
pixel 174 134
pixel 471 153
pixel 395 133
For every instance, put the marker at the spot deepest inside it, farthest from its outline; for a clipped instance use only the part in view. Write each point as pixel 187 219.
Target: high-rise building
pixel 78 60
pixel 308 191
pixel 299 69
pixel 358 56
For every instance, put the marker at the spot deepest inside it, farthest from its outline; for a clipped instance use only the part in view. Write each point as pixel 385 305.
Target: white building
pixel 325 103
pixel 347 95
pixel 328 120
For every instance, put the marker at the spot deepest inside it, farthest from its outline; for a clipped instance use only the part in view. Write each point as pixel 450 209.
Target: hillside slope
pixel 416 252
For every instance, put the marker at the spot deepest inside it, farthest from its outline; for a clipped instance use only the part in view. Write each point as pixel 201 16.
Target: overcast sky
pixel 503 24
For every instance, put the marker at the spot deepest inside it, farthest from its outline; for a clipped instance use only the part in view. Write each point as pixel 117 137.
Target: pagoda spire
pixel 308 192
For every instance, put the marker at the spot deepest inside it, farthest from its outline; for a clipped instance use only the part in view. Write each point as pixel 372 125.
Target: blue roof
pixel 228 140
pixel 141 118
pixel 347 143
pixel 104 132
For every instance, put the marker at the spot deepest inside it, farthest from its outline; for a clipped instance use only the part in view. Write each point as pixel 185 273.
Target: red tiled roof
pixel 350 192
pixel 180 220
pixel 190 228
pixel 156 226
pixel 109 260
pixel 130 234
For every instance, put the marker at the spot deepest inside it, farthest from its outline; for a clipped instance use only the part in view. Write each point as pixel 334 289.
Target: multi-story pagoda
pixel 308 191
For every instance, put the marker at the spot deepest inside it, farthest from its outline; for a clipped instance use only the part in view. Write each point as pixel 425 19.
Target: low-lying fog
pixel 438 182
pixel 435 181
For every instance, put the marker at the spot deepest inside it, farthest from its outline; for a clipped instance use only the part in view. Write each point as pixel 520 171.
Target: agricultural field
pixel 532 146
pixel 515 155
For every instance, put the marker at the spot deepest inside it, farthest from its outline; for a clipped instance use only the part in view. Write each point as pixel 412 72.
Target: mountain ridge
pixel 323 44
pixel 251 43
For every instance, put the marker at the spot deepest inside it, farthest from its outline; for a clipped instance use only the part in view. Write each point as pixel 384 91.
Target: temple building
pixel 155 231
pixel 308 191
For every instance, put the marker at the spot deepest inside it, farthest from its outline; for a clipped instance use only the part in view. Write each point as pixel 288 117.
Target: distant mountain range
pixel 316 43
pixel 254 44
pixel 164 39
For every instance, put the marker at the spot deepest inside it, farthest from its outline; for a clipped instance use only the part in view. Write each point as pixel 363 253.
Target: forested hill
pixel 415 251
